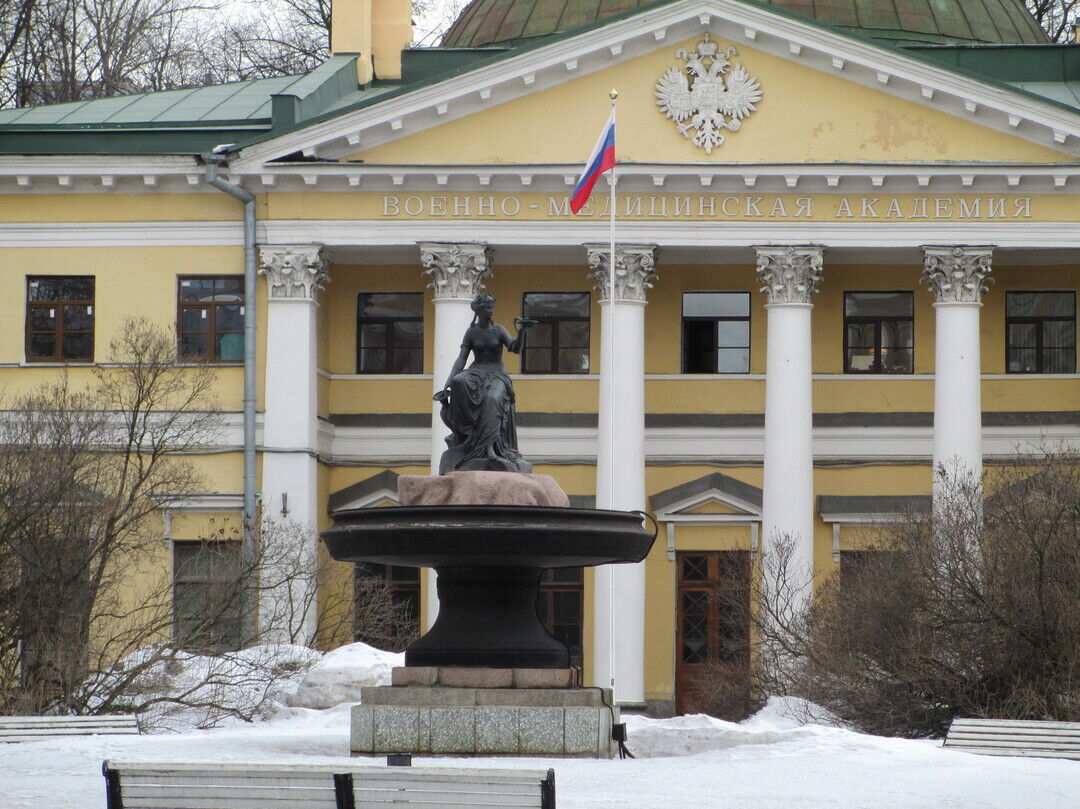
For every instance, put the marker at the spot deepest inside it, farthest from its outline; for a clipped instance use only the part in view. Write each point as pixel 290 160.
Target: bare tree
pixel 972 611
pixel 1057 17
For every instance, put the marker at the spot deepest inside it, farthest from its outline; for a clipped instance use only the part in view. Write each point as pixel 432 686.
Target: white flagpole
pixel 609 372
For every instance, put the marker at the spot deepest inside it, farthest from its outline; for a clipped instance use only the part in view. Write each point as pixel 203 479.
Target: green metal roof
pixel 485 22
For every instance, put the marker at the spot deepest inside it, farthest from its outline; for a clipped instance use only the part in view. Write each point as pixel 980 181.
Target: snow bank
pixel 340 675
pixel 783 719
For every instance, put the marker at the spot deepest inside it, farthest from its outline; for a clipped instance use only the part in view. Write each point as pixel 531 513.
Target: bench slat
pixel 1015 737
pixel 110 719
pixel 441 773
pixel 991 751
pixel 1015 723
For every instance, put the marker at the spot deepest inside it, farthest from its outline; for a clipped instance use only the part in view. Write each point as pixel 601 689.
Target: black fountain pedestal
pixel 487 679
pixel 489 559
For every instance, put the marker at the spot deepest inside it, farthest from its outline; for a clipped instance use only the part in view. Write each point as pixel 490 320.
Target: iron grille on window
pixel 60 318
pixel 716 332
pixel 390 333
pixel 559 343
pixel 210 318
pixel 878 332
pixel 1040 332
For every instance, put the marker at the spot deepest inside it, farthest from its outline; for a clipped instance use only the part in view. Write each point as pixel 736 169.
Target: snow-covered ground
pixel 770 761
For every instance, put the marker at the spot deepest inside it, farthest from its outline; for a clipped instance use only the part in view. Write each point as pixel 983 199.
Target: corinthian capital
pixel 635 270
pixel 457 271
pixel 789 274
pixel 957 274
pixel 293 271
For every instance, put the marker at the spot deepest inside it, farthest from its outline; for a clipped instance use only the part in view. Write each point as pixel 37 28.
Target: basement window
pixel 207 596
pixel 60 318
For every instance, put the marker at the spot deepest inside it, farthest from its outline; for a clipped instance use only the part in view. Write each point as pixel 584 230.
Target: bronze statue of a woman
pixel 478 401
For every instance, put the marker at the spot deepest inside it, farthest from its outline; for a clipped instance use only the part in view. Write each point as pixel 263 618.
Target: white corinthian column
pixel 457 273
pixel 789 276
pixel 294 275
pixel 957 276
pixel 619 592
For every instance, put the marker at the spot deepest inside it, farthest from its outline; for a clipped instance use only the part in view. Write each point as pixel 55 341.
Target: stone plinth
pixel 481 489
pixel 563 722
pixel 479 677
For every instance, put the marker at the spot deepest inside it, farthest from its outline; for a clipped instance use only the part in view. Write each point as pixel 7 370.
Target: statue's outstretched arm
pixel 517 344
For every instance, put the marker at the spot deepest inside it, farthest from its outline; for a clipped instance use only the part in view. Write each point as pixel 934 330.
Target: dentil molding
pixel 789 274
pixel 635 270
pixel 957 274
pixel 457 271
pixel 294 272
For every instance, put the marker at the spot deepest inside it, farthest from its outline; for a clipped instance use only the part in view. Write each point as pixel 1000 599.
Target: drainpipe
pixel 213 162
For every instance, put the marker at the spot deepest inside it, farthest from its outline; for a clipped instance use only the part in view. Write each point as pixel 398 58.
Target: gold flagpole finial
pixel 613 94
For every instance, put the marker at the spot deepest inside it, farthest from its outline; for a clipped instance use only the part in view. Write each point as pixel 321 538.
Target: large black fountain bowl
pixel 489 560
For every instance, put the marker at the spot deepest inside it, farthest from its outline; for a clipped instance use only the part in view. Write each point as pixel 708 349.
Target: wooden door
pixel 712 654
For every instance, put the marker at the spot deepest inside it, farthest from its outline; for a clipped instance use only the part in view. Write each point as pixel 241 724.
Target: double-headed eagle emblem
pixel 708 95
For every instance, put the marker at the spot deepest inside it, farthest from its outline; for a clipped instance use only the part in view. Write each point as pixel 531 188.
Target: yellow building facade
pixel 839 262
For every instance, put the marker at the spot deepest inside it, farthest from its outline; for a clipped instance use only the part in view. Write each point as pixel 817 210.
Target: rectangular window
pixel 1040 332
pixel 559 343
pixel 716 333
pixel 210 318
pixel 207 598
pixel 390 333
pixel 879 332
pixel 386 605
pixel 60 318
pixel 560 606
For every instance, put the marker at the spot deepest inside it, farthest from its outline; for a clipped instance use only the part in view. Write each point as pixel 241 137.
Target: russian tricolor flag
pixel 601 160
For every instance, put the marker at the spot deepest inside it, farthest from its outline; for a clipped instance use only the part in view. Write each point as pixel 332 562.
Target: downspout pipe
pixel 213 162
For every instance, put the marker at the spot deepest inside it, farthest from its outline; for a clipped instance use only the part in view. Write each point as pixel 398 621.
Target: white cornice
pixel 804 43
pixel 373 233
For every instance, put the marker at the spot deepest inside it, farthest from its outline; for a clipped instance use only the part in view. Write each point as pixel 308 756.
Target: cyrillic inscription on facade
pixel 709 206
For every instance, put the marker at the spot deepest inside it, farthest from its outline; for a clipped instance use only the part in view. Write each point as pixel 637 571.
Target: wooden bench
pixel 1015 737
pixel 33 728
pixel 229 785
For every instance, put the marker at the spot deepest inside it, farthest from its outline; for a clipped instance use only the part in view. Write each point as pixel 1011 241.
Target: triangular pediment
pixel 716 494
pixel 827 97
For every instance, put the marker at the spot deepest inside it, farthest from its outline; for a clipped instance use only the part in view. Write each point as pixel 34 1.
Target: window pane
pixel 194 346
pixel 568 575
pixel 44 289
pixel 78 288
pixel 78 346
pixel 537 360
pixel 390 304
pixel 573 334
pixel 557 304
pixel 860 359
pixel 860 335
pixel 229 318
pixel 733 333
pixel 42 318
pixel 1022 335
pixel 196 289
pixel 573 360
pixel 716 304
pixel 897 361
pixel 540 335
pixel 1021 361
pixel 373 335
pixel 42 344
pixel 194 319
pixel 78 318
pixel 896 334
pixel 733 360
pixel 695 568
pixel 1059 361
pixel 372 360
pixel 406 361
pixel 1059 334
pixel 230 347
pixel 884 304
pixel 408 334
pixel 699 347
pixel 1030 304
pixel 229 288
